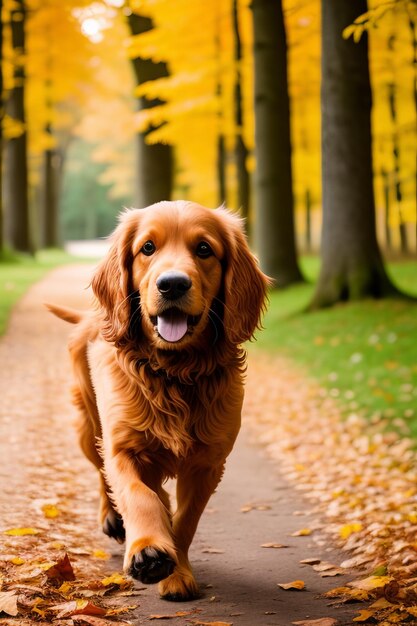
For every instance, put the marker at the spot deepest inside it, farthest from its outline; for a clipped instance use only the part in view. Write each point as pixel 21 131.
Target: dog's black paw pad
pixel 151 565
pixel 113 526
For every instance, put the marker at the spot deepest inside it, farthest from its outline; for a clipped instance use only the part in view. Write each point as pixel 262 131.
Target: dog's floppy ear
pixel 245 286
pixel 112 282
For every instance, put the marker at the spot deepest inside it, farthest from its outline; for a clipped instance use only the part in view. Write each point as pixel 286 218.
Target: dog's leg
pixel 150 553
pixel 194 487
pixel 89 432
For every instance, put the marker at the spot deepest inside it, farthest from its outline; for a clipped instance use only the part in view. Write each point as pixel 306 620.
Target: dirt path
pixel 41 465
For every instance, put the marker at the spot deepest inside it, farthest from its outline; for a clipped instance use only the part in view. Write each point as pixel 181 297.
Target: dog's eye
pixel 204 250
pixel 148 248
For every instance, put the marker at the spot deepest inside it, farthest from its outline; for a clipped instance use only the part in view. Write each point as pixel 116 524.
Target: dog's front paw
pixel 151 565
pixel 113 526
pixel 181 586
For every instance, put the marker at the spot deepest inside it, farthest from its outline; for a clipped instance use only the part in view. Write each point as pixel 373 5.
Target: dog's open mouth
pixel 173 324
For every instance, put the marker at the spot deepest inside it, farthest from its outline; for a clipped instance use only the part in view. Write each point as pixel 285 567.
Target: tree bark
pixel 155 162
pixel 1 132
pixel 17 210
pixel 241 151
pixel 352 265
pixel 49 235
pixel 274 228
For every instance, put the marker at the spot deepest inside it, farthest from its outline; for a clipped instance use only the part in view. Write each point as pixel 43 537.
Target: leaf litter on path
pixel 361 479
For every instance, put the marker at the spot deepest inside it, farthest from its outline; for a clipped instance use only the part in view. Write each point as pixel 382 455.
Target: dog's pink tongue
pixel 172 326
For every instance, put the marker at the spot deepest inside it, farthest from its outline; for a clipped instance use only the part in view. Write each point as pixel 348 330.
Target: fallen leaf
pixel 117 579
pixel 273 545
pixel 323 566
pixel 322 621
pixel 382 603
pixel 337 571
pixel 212 551
pixel 100 554
pixel 370 583
pixel 95 621
pixel 303 532
pixel 310 561
pixel 8 603
pixel 17 560
pixel 50 511
pixel 21 532
pixel 412 610
pixel 363 616
pixel 172 616
pixel 347 594
pixel 61 570
pixel 77 607
pixel 348 529
pixel 295 584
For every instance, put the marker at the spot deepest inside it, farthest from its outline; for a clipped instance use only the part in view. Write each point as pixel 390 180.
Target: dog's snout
pixel 172 284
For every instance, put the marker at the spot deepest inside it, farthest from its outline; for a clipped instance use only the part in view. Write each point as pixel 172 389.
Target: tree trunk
pixel 17 210
pixel 308 238
pixel 49 237
pixel 1 132
pixel 274 228
pixel 385 182
pixel 221 170
pixel 155 162
pixel 241 151
pixel 352 265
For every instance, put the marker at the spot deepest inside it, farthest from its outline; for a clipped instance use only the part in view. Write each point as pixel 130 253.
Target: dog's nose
pixel 172 285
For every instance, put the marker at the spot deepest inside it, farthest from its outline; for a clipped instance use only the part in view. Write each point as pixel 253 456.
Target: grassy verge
pixel 17 273
pixel 364 353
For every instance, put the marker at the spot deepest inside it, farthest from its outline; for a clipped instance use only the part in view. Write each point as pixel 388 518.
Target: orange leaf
pixel 295 584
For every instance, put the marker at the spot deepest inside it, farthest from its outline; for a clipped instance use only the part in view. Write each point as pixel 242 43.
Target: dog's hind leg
pixel 89 436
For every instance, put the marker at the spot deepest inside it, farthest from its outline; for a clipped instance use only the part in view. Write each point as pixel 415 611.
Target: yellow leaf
pixel 382 603
pixel 17 560
pixel 295 584
pixel 100 554
pixel 363 616
pixel 50 511
pixel 20 532
pixel 372 582
pixel 115 579
pixel 304 532
pixel 348 529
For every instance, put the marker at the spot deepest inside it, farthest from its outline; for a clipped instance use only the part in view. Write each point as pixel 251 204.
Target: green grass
pixel 18 272
pixel 364 353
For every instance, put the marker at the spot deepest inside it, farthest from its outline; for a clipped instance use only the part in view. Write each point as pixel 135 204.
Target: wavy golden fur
pixel 159 371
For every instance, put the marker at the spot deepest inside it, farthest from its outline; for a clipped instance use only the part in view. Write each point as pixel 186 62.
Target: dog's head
pixel 177 272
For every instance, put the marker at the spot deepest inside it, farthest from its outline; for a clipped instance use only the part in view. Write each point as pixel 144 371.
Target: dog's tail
pixel 65 313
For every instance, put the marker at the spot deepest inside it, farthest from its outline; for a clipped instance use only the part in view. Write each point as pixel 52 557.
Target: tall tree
pixel 352 265
pixel 241 151
pixel 17 209
pixel 274 228
pixel 155 171
pixel 1 129
pixel 51 166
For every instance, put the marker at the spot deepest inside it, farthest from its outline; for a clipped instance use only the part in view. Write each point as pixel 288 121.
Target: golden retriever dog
pixel 159 372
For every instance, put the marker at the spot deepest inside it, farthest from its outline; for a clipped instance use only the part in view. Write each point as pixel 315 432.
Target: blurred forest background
pixel 113 103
